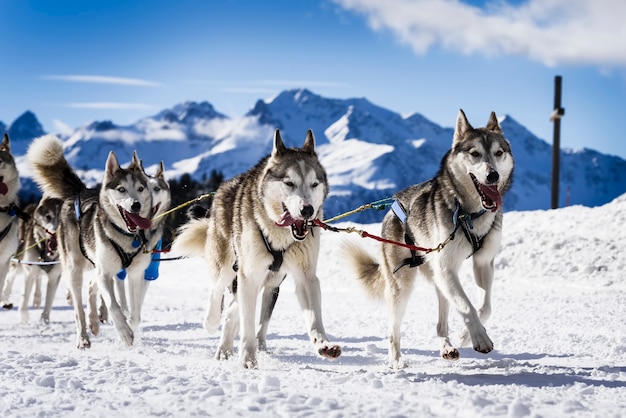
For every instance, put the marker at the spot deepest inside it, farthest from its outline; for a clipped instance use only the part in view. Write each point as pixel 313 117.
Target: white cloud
pixel 109 105
pixel 61 127
pixel 98 79
pixel 589 32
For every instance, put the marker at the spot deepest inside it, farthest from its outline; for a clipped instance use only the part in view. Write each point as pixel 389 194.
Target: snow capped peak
pixel 101 126
pixel 189 112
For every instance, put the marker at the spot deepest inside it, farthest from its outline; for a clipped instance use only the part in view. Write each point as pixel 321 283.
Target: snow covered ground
pixel 558 324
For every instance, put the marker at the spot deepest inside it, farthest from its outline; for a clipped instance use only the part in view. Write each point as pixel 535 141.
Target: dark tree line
pixel 184 189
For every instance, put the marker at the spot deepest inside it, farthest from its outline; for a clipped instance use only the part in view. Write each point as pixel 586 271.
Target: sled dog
pixel 257 231
pixel 9 186
pixel 38 253
pixel 107 228
pixel 161 200
pixel 460 207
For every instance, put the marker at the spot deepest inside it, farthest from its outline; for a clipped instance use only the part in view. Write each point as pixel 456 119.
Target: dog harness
pixel 277 255
pixel 12 210
pixel 139 240
pixel 460 218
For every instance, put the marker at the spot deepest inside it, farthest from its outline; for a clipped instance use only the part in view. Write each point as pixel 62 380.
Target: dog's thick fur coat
pixel 256 233
pixel 38 253
pixel 461 205
pixel 9 186
pixel 107 229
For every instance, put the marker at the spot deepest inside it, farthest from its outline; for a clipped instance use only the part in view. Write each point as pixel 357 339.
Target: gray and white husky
pixel 161 200
pixel 108 229
pixel 460 207
pixel 38 254
pixel 9 186
pixel 258 230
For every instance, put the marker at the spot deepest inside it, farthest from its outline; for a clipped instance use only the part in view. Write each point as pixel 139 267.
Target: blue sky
pixel 72 62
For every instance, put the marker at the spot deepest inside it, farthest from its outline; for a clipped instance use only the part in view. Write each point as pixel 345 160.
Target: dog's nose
pixel 135 207
pixel 306 211
pixel 493 177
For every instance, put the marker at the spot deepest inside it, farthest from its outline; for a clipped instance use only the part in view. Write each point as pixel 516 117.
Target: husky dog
pixel 461 207
pixel 161 200
pixel 38 254
pixel 108 229
pixel 9 185
pixel 257 231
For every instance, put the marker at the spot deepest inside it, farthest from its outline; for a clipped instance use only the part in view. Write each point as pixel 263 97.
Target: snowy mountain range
pixel 369 152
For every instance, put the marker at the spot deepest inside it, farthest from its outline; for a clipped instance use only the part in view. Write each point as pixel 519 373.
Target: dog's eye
pixel 157 189
pixel 499 153
pixel 475 154
pixel 140 189
pixel 289 184
pixel 121 189
pixel 314 185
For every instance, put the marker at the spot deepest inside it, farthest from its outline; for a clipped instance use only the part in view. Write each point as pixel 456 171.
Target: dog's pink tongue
pixel 285 219
pixel 492 193
pixel 4 189
pixel 142 223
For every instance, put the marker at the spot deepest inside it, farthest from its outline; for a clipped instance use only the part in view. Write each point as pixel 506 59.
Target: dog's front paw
pixel 329 351
pixel 223 353
pixel 450 353
pixel 482 343
pixel 249 361
pixel 83 341
pixel 397 364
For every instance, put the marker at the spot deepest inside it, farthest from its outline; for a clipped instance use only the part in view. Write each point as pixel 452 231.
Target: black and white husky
pixel 461 207
pixel 108 229
pixel 258 231
pixel 9 186
pixel 38 253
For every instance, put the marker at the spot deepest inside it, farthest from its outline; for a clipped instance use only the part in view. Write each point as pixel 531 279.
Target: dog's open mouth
pixel 134 221
pixel 489 195
pixel 155 209
pixel 51 245
pixel 4 189
pixel 299 227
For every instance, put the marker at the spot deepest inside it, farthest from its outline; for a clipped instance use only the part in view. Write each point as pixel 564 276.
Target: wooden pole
pixel 557 113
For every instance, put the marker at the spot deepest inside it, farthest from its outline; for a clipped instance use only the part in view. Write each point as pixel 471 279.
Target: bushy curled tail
pixel 191 238
pixel 51 170
pixel 366 268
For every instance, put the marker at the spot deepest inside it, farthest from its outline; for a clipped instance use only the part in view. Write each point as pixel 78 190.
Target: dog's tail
pixel 51 171
pixel 366 267
pixel 191 238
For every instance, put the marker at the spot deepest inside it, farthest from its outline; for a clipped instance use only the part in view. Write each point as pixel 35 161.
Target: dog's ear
pixel 493 124
pixel 160 170
pixel 462 126
pixel 4 146
pixel 135 163
pixel 279 146
pixel 309 142
pixel 112 165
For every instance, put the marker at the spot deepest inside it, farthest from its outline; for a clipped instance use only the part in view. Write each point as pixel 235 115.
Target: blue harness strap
pixel 414 260
pixel 152 272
